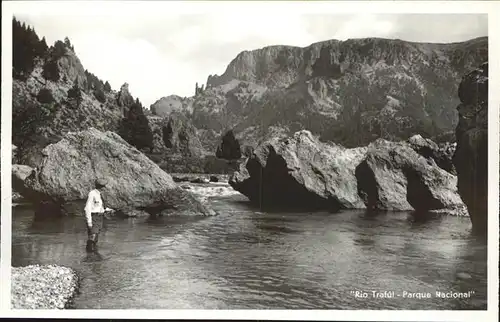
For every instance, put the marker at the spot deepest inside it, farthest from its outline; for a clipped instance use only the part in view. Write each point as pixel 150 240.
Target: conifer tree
pixel 99 95
pixel 75 93
pixel 42 47
pixel 59 49
pixel 26 46
pixel 51 70
pixel 107 87
pixel 135 128
pixel 229 148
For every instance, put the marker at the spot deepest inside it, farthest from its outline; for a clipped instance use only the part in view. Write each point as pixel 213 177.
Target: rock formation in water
pixel 442 154
pixel 394 176
pixel 19 174
pixel 71 166
pixel 471 155
pixel 302 172
pixel 349 92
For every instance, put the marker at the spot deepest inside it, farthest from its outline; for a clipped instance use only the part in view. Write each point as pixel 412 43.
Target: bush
pixel 59 50
pixel 75 93
pixel 45 96
pixel 27 122
pixel 107 87
pixel 99 95
pixel 135 128
pixel 51 70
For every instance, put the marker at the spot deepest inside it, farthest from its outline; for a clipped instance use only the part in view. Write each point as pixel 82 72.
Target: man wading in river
pixel 94 213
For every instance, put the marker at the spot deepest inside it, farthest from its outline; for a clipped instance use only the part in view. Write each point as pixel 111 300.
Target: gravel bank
pixel 43 287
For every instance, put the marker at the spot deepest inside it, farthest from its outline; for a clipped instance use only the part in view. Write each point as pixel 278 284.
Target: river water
pixel 246 259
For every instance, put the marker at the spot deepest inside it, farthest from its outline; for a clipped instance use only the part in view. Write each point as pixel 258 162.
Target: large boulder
pixel 300 171
pixel 471 155
pixel 19 174
pixel 71 166
pixel 442 154
pixel 393 176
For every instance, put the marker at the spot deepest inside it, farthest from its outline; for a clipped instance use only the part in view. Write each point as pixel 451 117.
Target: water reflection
pixel 243 259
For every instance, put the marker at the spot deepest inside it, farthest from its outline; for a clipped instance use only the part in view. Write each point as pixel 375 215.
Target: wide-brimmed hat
pixel 100 183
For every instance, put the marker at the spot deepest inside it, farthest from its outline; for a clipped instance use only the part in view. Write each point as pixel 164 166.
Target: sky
pixel 160 52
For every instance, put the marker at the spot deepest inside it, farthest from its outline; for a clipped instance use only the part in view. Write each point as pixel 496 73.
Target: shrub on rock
pixel 45 96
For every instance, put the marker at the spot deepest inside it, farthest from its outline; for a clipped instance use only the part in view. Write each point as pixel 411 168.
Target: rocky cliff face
pixel 175 135
pixel 39 120
pixel 471 156
pixel 349 92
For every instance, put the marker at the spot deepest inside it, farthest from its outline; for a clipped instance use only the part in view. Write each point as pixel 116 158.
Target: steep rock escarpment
pixel 166 105
pixel 349 92
pixel 123 97
pixel 71 167
pixel 44 109
pixel 302 172
pixel 471 155
pixel 175 134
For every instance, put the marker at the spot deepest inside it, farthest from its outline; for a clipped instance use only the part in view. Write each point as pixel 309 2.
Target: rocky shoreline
pixel 43 287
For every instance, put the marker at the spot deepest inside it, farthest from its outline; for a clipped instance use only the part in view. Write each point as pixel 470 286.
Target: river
pixel 246 259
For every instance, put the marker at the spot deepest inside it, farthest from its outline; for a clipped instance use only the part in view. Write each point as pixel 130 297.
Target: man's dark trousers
pixel 93 233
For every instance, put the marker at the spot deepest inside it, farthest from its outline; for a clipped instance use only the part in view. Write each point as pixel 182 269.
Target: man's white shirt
pixel 94 204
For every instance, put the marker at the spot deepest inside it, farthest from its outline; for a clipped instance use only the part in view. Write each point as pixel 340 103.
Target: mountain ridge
pixel 414 82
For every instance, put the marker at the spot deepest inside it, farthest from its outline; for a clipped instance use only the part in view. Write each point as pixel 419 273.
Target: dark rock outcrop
pixel 124 98
pixel 71 166
pixel 471 155
pixel 302 172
